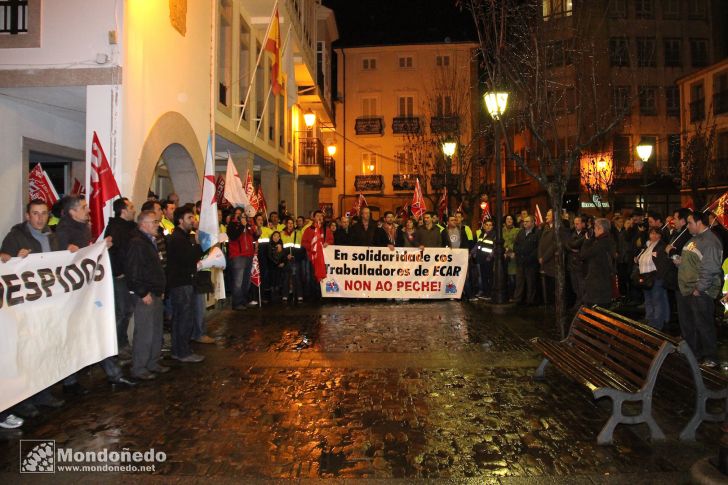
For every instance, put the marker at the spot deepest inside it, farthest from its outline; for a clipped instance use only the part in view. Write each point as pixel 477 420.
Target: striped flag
pixel 250 191
pixel 538 218
pixel 233 191
pixel 41 187
pixel 442 205
pixel 209 228
pixel 255 272
pixel 273 46
pixel 418 206
pixel 317 253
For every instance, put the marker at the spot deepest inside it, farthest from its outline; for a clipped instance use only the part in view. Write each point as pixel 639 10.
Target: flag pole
pixel 270 89
pixel 257 63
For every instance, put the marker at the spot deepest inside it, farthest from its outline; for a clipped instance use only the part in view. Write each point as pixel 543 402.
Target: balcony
pixel 369 183
pixel 720 102
pixel 437 181
pixel 404 125
pixel 697 110
pixel 313 165
pixel 404 181
pixel 369 126
pixel 444 124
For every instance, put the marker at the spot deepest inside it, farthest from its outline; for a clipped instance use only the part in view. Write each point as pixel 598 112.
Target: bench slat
pixel 631 326
pixel 612 343
pixel 625 338
pixel 609 361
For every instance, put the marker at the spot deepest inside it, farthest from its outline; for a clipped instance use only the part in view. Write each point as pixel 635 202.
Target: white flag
pixel 209 225
pixel 234 192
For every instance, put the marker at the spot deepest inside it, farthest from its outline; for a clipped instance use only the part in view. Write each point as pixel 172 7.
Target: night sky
pixel 370 22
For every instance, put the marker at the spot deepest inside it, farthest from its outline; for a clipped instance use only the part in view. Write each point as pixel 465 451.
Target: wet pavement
pixel 374 391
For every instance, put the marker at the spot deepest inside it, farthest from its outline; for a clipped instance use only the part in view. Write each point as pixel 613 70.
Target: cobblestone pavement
pixel 371 391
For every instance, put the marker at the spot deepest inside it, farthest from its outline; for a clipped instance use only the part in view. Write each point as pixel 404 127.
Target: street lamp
pixel 644 151
pixel 309 118
pixel 448 148
pixel 496 103
pixel 331 149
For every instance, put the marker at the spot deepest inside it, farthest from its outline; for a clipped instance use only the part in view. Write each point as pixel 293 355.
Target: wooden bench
pixel 611 358
pixel 709 384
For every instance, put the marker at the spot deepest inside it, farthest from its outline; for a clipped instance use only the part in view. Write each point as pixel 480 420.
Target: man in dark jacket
pixel 574 264
pixel 428 234
pixel 598 254
pixel 342 236
pixel 119 228
pixel 526 250
pixel 182 258
pixel 74 232
pixel 146 281
pixel 386 235
pixel 547 257
pixel 362 233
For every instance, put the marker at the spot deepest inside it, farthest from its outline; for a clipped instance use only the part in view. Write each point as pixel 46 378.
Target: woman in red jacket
pixel 241 249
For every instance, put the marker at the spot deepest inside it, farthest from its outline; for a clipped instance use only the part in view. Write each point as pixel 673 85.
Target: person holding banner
pixel 362 233
pixel 182 258
pixel 428 234
pixel 73 233
pixel 386 235
pixel 342 236
pixel 241 250
pixel 146 281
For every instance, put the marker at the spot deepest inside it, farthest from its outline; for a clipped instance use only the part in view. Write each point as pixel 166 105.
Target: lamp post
pixel 644 151
pixel 496 102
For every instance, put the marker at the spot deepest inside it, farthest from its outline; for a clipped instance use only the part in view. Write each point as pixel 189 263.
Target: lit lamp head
pixel 496 103
pixel 331 148
pixel 448 148
pixel 601 164
pixel 644 151
pixel 309 118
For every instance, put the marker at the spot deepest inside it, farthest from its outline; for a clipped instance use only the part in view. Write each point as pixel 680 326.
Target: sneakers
pixel 144 375
pixel 709 363
pixel 253 303
pixel 285 298
pixel 205 339
pixel 11 422
pixel 190 359
pixel 299 299
pixel 160 369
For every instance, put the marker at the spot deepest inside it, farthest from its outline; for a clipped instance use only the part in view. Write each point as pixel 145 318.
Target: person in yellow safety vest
pixel 459 219
pixel 484 247
pixel 292 282
pixel 264 232
pixel 470 279
pixel 725 285
pixel 167 216
pixel 436 222
pixel 274 222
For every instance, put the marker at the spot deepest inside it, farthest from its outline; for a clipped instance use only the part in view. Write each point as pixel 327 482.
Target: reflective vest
pixel 485 245
pixel 265 234
pixel 167 226
pixel 468 232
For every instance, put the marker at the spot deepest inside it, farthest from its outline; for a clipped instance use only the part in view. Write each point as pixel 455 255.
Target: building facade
pixel 155 79
pixel 398 104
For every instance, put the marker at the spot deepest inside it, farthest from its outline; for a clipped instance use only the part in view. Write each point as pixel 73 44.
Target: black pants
pixel 697 325
pixel 526 281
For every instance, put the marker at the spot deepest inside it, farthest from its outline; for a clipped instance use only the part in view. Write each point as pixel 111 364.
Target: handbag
pixel 643 280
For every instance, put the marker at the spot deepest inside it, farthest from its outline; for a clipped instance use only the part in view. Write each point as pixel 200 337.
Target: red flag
pixel 77 188
pixel 103 187
pixel 250 192
pixel 418 201
pixel 485 213
pixel 262 205
pixel 41 187
pixel 538 218
pixel 360 203
pixel 719 207
pixel 273 45
pixel 442 205
pixel 403 213
pixel 317 253
pixel 220 192
pixel 255 272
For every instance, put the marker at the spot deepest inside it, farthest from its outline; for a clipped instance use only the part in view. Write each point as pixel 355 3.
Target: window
pixel 443 106
pixel 720 93
pixel 699 52
pixel 619 51
pixel 621 151
pixel 368 163
pixel 673 153
pixel 405 161
pixel 648 100
pixel 721 147
pixel 369 64
pixel 405 62
pixel 671 9
pixel 558 53
pixel 673 52
pixel 618 9
pixel 260 92
pixel 557 8
pixel 244 66
pixel 644 9
pixel 406 106
pixel 646 52
pixel 224 54
pixel 696 9
pixel 13 17
pixel 282 118
pixel 442 61
pixel 672 101
pixel 369 107
pixel 620 99
pixel 271 118
pixel 697 102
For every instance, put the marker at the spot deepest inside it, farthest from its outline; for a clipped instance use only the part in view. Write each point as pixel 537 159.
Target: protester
pixel 386 235
pixel 654 265
pixel 525 249
pixel 362 233
pixel 407 235
pixel 342 236
pixel 699 280
pixel 277 262
pixel 510 232
pixel 484 247
pixel 547 257
pixel 167 224
pixel 428 234
pixel 241 249
pixel 574 264
pixel 598 252
pixel 292 284
pixel 182 257
pixel 146 281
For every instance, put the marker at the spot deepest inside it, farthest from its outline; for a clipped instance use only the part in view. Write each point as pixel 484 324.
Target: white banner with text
pixel 364 272
pixel 56 317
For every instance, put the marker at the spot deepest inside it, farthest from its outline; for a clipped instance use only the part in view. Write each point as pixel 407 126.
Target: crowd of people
pixel 670 265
